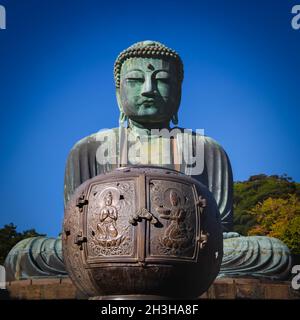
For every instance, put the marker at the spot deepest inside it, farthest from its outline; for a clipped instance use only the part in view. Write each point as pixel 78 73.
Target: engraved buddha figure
pixel 107 229
pixel 175 234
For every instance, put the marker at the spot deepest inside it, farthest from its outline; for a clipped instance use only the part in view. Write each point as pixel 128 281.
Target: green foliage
pixel 256 189
pixel 9 237
pixel 279 218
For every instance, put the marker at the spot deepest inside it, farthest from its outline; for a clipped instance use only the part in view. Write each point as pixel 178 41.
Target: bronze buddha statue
pixel 148 78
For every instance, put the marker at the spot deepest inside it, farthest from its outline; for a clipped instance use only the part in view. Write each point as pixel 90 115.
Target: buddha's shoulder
pixel 95 138
pixel 212 142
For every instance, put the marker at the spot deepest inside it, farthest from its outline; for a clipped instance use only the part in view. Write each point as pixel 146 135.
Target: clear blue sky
pixel 242 66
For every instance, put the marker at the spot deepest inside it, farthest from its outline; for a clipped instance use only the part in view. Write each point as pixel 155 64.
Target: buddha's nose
pixel 149 88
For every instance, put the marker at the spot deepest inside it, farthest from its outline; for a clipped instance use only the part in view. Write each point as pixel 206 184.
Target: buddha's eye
pixel 163 80
pixel 162 77
pixel 133 79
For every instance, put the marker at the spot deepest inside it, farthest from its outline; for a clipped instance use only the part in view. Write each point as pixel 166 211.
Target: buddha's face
pixel 149 90
pixel 174 199
pixel 108 200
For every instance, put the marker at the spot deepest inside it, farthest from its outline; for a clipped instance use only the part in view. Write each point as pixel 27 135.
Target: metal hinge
pixel 201 203
pixel 81 202
pixel 80 239
pixel 203 239
pixel 143 214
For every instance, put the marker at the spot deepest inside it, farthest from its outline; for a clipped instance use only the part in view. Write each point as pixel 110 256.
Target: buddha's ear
pixel 119 99
pixel 122 117
pixel 177 100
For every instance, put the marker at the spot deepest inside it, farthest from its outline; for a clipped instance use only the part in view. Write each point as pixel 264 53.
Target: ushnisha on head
pixel 148 77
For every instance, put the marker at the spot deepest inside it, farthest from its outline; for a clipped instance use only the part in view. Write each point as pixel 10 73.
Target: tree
pixel 279 218
pixel 10 237
pixel 247 194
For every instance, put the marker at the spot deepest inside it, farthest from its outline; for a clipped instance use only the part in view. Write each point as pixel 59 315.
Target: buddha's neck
pixel 146 127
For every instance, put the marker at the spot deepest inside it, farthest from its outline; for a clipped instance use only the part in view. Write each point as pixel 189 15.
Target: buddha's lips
pixel 149 102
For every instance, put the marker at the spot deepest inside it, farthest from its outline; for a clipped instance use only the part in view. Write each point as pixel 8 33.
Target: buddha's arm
pixel 82 162
pixel 81 166
pixel 220 180
pixel 217 176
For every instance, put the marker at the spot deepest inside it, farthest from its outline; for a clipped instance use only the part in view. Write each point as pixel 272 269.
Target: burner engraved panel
pixel 173 204
pixel 109 232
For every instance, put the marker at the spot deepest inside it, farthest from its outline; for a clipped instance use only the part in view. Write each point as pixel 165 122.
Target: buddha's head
pixel 148 78
pixel 174 198
pixel 108 199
